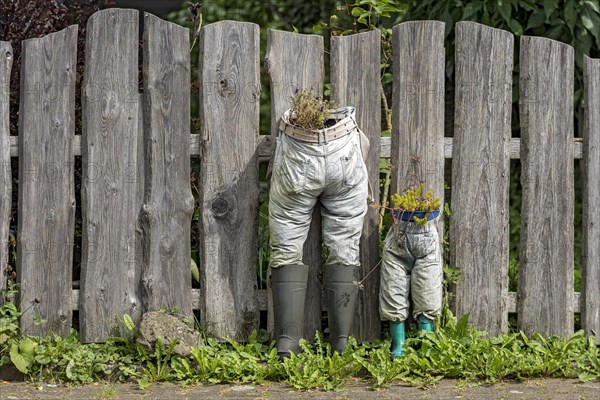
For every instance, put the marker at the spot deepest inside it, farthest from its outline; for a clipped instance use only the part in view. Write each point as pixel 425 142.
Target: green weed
pixel 108 393
pixel 455 350
pixel 158 365
pixel 317 368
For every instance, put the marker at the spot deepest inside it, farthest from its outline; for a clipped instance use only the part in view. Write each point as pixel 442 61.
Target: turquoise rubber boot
pixel 424 323
pixel 398 339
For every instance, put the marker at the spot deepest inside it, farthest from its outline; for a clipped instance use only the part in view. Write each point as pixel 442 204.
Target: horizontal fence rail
pixel 136 148
pixel 265 147
pixel 510 299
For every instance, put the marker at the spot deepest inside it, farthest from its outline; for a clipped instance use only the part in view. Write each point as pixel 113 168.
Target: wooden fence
pixel 136 148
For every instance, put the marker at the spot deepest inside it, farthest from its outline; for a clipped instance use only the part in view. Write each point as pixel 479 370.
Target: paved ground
pixel 446 389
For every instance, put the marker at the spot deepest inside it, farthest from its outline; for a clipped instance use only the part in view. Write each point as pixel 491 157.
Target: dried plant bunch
pixel 309 111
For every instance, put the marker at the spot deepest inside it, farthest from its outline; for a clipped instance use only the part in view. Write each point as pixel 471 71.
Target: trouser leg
pixel 427 278
pixel 292 197
pixel 344 207
pixel 344 201
pixel 394 289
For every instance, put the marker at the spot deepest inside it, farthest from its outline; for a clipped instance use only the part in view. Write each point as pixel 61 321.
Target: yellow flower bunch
pixel 412 200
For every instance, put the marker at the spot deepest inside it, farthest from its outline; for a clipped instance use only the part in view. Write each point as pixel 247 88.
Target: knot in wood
pixel 51 215
pixel 147 284
pixel 166 248
pixel 189 204
pixel 267 65
pixel 249 317
pixel 110 109
pixel 219 206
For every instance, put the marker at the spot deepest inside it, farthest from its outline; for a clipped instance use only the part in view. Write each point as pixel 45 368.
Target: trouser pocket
pixel 290 172
pixel 353 168
pixel 423 243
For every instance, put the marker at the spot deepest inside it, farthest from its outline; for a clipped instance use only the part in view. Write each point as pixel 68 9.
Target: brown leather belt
pixel 342 128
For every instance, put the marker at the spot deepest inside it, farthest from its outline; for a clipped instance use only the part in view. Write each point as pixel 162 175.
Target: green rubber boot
pixel 342 294
pixel 398 339
pixel 289 292
pixel 424 323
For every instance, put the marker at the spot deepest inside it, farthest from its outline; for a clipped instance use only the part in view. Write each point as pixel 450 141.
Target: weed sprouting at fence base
pixel 455 350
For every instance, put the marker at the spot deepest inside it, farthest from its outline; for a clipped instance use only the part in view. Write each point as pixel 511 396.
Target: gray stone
pixel 168 328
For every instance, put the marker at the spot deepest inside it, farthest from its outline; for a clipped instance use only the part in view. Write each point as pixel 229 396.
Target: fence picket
pixel 111 253
pixel 480 174
pixel 356 81
pixel 590 313
pixel 229 108
pixel 296 61
pixel 168 202
pixel 418 107
pixel 544 301
pixel 46 190
pixel 6 59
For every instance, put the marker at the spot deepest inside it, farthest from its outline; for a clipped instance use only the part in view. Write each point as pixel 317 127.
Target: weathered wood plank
pixel 355 81
pixel 546 109
pixel 265 143
pixel 6 59
pixel 110 188
pixel 576 301
pixel 229 179
pixel 590 313
pixel 418 108
pixel 296 61
pixel 168 202
pixel 480 174
pixel 46 190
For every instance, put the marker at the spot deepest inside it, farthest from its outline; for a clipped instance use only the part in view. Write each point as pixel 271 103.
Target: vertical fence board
pixel 46 189
pixel 355 81
pixel 229 111
pixel 168 202
pixel 418 107
pixel 6 59
pixel 480 173
pixel 590 313
pixel 110 184
pixel 544 300
pixel 296 61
